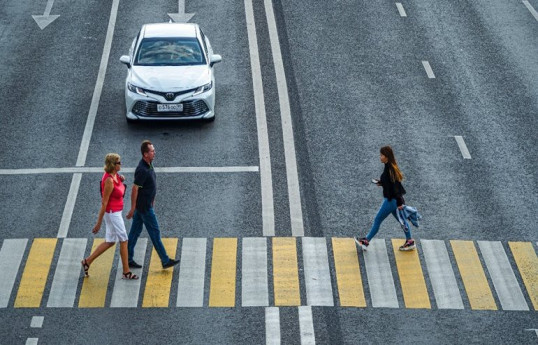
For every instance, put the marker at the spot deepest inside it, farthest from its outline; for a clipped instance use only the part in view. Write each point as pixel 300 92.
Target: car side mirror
pixel 214 59
pixel 126 60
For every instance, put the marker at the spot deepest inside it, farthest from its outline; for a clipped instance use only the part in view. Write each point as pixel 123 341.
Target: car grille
pixel 170 96
pixel 190 108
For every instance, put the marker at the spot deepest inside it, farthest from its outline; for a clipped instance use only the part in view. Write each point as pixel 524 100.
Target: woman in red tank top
pixel 112 190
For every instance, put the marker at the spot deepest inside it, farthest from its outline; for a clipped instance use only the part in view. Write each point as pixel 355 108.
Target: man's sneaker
pixel 408 245
pixel 133 264
pixel 363 242
pixel 171 263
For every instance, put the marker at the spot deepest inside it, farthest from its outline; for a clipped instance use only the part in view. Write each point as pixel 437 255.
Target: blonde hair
pixel 110 162
pixel 394 170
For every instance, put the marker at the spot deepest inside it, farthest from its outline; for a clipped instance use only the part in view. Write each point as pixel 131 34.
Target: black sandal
pixel 129 276
pixel 85 267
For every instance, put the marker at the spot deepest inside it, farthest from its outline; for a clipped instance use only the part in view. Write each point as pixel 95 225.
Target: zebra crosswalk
pixel 274 272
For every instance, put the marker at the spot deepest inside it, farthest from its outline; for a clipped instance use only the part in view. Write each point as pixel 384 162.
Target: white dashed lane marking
pixel 531 9
pixel 401 10
pixel 428 69
pixel 272 326
pixel 463 148
pixel 306 324
pixel 37 321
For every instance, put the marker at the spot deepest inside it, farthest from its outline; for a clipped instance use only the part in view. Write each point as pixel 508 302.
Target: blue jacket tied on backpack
pixel 409 213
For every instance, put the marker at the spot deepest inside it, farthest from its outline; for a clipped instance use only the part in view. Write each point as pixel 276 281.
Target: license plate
pixel 170 107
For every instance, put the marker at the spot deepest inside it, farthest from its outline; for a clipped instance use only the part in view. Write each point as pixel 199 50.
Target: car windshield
pixel 169 52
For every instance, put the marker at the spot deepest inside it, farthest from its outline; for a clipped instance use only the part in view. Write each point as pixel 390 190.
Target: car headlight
pixel 136 89
pixel 203 88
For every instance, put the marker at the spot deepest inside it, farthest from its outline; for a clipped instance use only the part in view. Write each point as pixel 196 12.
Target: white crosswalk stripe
pixel 66 277
pixel 445 287
pixel 11 256
pixel 316 270
pixel 502 275
pixel 380 280
pixel 192 273
pixel 126 292
pixel 254 285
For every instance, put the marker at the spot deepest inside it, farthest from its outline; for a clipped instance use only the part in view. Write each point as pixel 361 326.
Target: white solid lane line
pixel 272 326
pixel 463 148
pixel 84 145
pixel 428 69
pixel 401 10
pixel 531 9
pixel 206 169
pixel 306 324
pixel 268 211
pixel 40 171
pixel 69 206
pixel 72 170
pixel 294 194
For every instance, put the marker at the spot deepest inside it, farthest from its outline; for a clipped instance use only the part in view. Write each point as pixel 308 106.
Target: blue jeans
pixel 387 207
pixel 152 226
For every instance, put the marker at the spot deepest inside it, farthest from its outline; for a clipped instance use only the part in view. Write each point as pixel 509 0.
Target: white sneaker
pixel 363 242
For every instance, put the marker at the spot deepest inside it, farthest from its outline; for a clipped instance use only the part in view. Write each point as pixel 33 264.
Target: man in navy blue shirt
pixel 142 200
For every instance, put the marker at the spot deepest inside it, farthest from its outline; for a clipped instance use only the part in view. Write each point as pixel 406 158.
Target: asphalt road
pixel 356 81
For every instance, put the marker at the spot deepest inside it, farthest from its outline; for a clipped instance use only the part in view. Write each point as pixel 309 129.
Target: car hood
pixel 170 78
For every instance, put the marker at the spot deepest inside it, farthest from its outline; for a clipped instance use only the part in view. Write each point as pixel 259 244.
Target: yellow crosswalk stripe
pixel 95 287
pixel 223 273
pixel 414 288
pixel 348 273
pixel 35 273
pixel 159 282
pixel 473 276
pixel 285 272
pixel 527 263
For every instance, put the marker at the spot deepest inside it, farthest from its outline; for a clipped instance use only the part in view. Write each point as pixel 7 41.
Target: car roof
pixel 169 30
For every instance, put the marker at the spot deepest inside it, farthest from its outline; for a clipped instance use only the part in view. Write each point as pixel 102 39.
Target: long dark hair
pixel 394 170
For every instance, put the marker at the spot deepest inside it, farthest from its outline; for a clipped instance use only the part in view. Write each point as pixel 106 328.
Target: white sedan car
pixel 170 74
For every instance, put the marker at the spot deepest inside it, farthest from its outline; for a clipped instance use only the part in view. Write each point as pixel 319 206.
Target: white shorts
pixel 115 228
